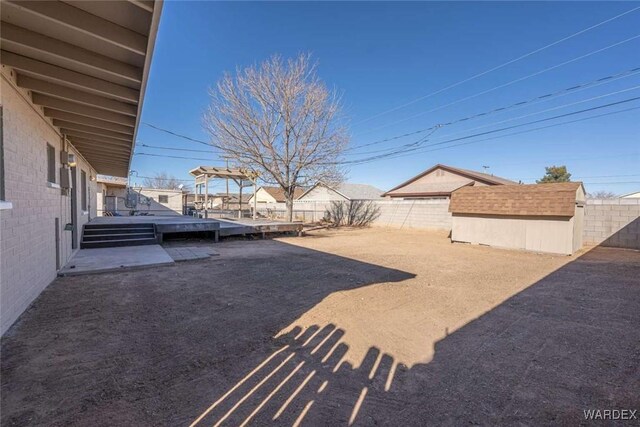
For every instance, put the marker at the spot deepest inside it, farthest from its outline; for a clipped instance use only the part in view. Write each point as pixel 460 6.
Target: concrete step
pixel 118 225
pixel 118 236
pixel 116 243
pixel 96 231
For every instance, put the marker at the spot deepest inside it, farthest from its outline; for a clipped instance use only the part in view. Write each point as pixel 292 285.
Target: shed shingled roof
pixel 553 199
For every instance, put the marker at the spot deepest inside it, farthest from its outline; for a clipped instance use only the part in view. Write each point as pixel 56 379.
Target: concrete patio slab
pixel 190 253
pixel 102 260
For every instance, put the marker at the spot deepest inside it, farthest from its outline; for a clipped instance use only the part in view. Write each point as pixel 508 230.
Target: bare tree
pixel 280 120
pixel 602 194
pixel 163 180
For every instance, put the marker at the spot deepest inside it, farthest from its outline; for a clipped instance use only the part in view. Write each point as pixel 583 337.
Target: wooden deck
pixel 218 227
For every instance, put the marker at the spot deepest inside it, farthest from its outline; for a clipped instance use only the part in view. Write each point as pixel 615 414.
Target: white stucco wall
pixel 27 231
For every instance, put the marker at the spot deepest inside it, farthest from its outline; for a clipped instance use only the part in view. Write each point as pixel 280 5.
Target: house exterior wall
pixel 320 194
pixel 538 234
pixel 262 196
pixel 612 222
pixel 28 230
pixel 436 176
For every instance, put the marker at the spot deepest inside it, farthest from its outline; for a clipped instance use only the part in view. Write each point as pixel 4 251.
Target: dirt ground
pixel 354 327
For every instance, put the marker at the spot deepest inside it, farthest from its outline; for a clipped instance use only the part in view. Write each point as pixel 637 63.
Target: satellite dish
pixel 180 187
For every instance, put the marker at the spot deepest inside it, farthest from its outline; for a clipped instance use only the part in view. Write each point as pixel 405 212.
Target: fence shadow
pixel 566 344
pixel 197 344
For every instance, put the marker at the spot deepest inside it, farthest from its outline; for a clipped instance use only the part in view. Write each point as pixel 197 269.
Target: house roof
pixel 428 190
pixel 351 191
pixel 278 193
pixel 86 65
pixel 552 199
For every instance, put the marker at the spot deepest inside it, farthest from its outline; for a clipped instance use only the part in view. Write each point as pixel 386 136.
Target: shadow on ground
pixel 167 347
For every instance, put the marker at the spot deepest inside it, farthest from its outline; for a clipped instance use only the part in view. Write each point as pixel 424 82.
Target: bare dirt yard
pixel 352 327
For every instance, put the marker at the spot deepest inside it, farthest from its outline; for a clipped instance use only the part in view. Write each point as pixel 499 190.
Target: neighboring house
pixel 440 181
pixel 273 195
pixel 113 198
pixel 635 195
pixel 322 192
pixel 73 82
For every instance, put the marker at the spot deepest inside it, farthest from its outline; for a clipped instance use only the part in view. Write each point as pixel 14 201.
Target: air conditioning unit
pixel 68 159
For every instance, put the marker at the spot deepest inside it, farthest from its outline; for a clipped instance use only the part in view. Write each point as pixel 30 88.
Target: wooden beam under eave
pixel 91 137
pixel 67 77
pixel 61 14
pixel 47 49
pixel 92 130
pixel 83 110
pixel 88 121
pixel 91 141
pixel 102 156
pixel 143 4
pixel 104 148
pixel 75 95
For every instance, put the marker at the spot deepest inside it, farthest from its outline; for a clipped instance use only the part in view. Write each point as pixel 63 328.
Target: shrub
pixel 353 213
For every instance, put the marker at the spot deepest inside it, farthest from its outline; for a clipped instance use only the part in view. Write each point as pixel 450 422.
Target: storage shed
pixel 537 217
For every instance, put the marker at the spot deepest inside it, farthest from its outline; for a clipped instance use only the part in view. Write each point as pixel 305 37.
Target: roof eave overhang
pixel 86 66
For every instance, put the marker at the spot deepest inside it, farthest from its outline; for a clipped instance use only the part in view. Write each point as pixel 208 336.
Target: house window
pixel 83 189
pixel 163 198
pixel 51 164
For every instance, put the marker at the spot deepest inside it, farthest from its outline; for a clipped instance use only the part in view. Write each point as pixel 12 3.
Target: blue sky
pixel 380 55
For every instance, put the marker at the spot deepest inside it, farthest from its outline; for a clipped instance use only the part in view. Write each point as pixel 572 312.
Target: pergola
pixel 203 174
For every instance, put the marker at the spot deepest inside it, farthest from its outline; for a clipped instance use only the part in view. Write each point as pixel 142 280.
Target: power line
pixel 178 157
pixel 516 105
pixel 199 141
pixel 533 52
pixel 173 148
pixel 506 84
pixel 405 152
pixel 572 89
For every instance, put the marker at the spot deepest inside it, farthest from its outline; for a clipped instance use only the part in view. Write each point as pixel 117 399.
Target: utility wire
pixel 381 156
pixel 516 105
pixel 158 147
pixel 574 88
pixel 505 84
pixel 526 55
pixel 534 130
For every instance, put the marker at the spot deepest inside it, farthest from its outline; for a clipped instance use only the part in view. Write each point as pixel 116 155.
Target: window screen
pixel 51 163
pixel 163 199
pixel 83 189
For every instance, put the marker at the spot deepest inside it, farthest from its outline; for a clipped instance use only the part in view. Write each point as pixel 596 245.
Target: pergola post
pixel 255 196
pixel 206 196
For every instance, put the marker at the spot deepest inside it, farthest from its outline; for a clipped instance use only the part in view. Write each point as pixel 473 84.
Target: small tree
pixel 163 180
pixel 555 174
pixel 602 194
pixel 279 120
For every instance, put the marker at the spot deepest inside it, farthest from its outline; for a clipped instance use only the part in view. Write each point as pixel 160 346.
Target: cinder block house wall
pixel 27 230
pixel 612 222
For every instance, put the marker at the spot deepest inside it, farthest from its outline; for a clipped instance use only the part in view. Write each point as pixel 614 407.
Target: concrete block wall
pixel 612 222
pixel 428 214
pixel 27 230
